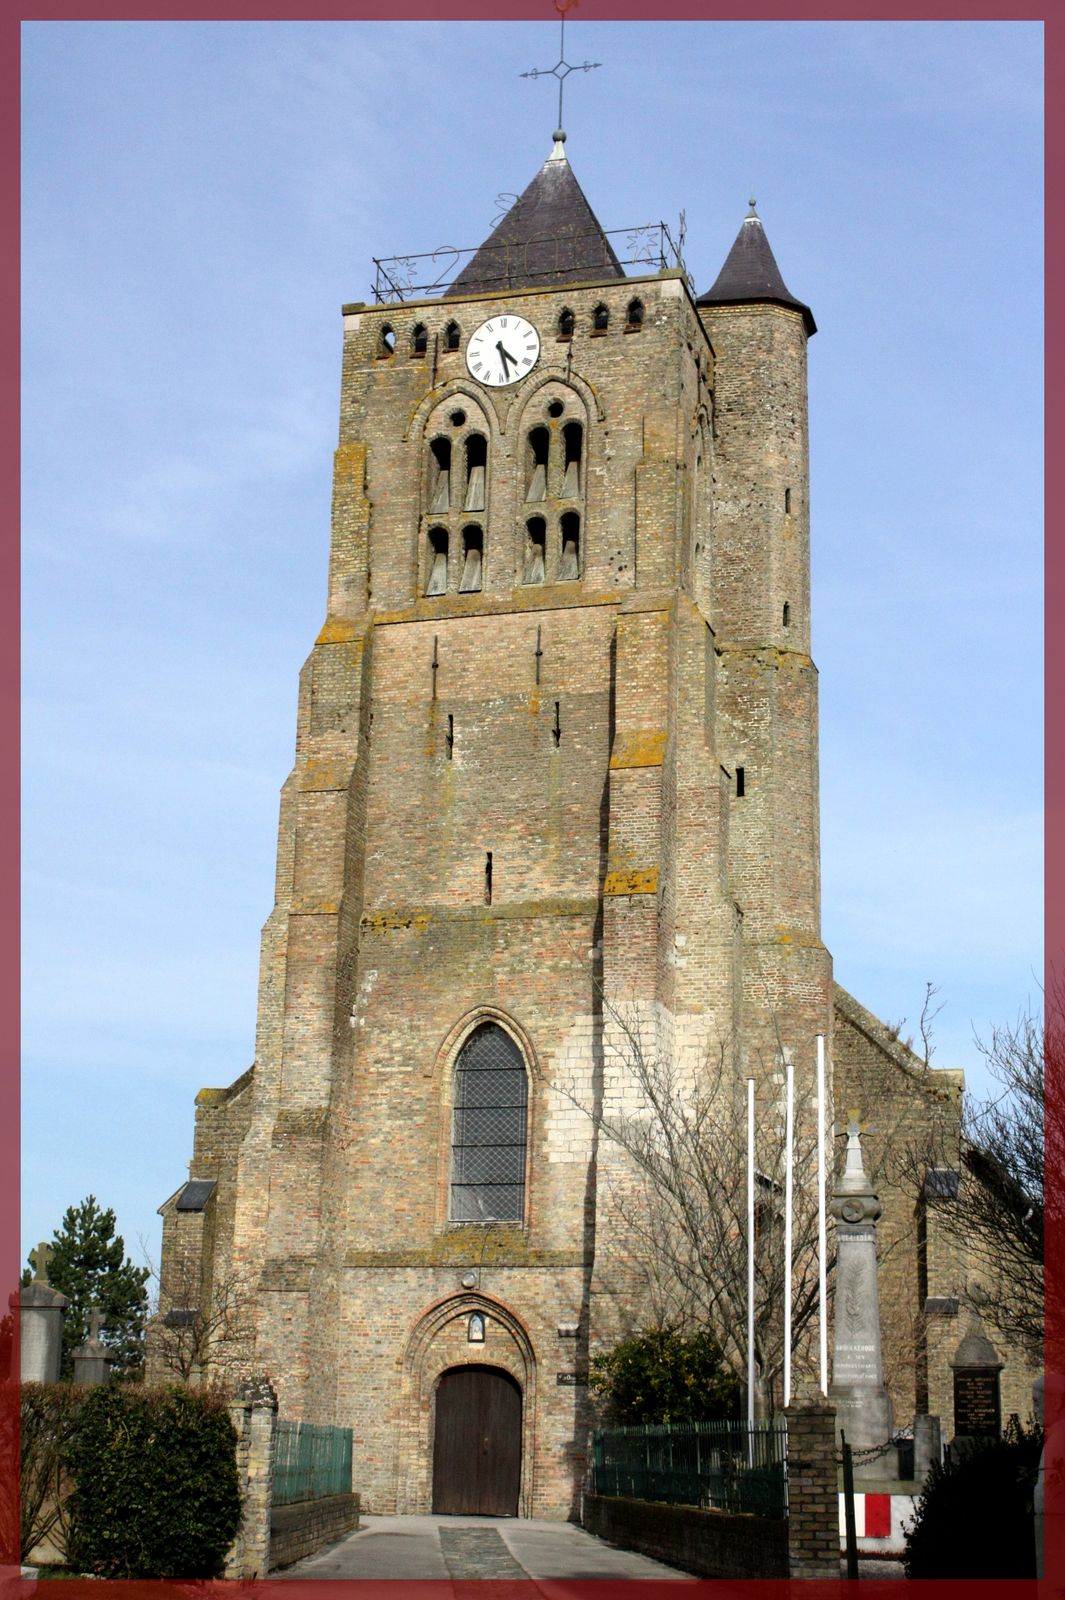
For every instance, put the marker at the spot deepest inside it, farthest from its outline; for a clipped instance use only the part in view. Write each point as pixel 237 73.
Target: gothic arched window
pixel 490 1095
pixel 634 316
pixel 451 336
pixel 419 339
pixel 566 323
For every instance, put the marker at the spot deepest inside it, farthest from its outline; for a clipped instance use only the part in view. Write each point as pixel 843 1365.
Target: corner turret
pixel 751 274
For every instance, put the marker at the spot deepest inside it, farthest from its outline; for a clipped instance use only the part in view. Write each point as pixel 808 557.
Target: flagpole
pixel 822 1226
pixel 750 1264
pixel 789 1178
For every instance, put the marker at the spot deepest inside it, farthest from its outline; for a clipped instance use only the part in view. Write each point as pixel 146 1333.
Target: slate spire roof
pixel 751 274
pixel 550 235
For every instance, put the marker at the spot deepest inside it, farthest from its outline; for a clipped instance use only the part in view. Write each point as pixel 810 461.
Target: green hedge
pixel 156 1492
pixel 974 1519
pixel 48 1419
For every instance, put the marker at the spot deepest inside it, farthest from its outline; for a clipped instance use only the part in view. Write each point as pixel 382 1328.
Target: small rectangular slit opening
pixel 741 783
pixel 488 878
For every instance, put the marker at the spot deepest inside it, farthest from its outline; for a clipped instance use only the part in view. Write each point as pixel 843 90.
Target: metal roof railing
pixel 524 263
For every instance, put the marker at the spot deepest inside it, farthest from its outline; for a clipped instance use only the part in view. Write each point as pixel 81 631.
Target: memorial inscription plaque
pixel 977 1406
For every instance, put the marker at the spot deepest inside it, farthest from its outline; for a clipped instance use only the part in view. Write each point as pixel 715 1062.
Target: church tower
pixel 554 796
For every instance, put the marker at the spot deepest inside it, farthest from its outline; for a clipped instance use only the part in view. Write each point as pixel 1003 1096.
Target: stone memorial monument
pixel 863 1405
pixel 92 1360
pixel 976 1366
pixel 41 1313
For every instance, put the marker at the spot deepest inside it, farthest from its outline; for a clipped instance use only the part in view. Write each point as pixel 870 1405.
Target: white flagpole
pixel 750 1263
pixel 822 1226
pixel 789 1137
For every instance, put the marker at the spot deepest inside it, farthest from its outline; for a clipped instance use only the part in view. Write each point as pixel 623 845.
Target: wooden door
pixel 477 1443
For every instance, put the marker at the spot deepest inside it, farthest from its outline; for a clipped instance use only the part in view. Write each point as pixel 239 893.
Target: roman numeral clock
pixel 502 351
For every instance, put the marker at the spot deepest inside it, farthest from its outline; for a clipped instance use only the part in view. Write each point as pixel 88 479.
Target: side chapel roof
pixel 751 274
pixel 550 235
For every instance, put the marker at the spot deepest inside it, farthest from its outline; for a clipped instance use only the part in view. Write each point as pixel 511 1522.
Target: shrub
pixel 156 1493
pixel 985 1491
pixel 48 1418
pixel 666 1375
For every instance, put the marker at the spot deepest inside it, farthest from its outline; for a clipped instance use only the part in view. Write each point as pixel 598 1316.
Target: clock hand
pixel 505 356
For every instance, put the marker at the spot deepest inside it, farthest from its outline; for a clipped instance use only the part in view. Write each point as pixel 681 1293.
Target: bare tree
pixel 682 1194
pixel 200 1338
pixel 994 1207
pixel 1002 1201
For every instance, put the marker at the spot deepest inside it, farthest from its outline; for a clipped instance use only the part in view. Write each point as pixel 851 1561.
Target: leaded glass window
pixel 490 1100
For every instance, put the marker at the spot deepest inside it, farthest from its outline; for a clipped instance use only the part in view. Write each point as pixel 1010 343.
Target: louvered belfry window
pixel 490 1100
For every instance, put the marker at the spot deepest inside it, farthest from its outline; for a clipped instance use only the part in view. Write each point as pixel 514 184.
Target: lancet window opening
pixel 455 484
pixel 550 529
pixel 489 1098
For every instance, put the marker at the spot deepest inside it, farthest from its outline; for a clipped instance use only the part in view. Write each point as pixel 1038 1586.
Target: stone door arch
pixel 440 1342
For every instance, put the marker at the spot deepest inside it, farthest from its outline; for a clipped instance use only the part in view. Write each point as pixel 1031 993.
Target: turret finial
pixel 752 204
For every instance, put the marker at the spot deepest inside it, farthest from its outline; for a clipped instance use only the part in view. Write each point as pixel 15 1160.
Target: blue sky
pixel 199 199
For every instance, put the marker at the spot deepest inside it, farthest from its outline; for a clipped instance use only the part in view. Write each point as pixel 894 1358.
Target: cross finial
pixel 96 1322
pixel 40 1259
pixel 562 68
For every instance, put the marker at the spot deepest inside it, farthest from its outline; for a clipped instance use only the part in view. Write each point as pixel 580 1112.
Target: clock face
pixel 502 351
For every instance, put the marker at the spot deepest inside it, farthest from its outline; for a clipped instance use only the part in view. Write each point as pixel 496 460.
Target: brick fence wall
pixel 298 1530
pixel 720 1544
pixel 711 1544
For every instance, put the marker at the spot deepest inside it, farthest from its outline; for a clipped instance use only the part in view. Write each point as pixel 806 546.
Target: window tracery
pixel 490 1092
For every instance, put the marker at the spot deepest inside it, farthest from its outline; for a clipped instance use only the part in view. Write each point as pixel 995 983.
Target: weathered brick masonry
pixel 536 798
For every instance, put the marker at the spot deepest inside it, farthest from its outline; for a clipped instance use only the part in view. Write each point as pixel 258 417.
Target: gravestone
pixel 863 1405
pixel 92 1360
pixel 41 1313
pixel 927 1445
pixel 977 1405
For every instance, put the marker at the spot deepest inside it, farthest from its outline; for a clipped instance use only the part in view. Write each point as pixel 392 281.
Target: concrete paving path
pixel 461 1548
pixel 475 1547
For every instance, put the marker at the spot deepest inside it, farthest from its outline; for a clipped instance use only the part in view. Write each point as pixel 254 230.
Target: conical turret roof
pixel 751 274
pixel 550 235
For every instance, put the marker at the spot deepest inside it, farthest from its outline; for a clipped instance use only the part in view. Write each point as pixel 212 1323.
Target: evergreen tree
pixel 88 1264
pixel 666 1375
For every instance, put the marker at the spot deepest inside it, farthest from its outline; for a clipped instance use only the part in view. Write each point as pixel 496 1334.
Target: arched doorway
pixel 477 1443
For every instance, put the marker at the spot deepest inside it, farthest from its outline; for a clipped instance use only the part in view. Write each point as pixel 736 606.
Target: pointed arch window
pixel 600 318
pixel 476 464
pixel 455 484
pixel 535 550
pixel 572 444
pixel 439 475
pixel 437 579
pixel 634 316
pixel 452 336
pixel 566 323
pixel 490 1094
pixel 386 344
pixel 472 560
pixel 539 447
pixel 419 339
pixel 548 546
pixel 569 561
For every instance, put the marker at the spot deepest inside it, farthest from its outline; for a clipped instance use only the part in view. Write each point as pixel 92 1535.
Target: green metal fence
pixel 312 1461
pixel 732 1466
